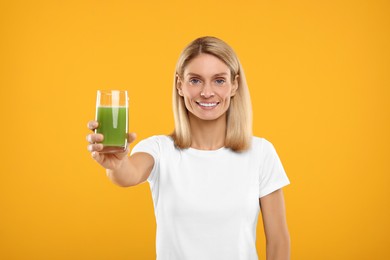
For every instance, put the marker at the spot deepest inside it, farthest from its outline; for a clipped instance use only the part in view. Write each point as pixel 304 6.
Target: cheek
pixel 225 95
pixel 227 101
pixel 189 94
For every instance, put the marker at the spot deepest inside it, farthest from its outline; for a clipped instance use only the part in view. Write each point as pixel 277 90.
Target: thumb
pixel 131 137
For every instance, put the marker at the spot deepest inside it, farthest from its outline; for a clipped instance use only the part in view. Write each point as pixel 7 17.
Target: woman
pixel 211 177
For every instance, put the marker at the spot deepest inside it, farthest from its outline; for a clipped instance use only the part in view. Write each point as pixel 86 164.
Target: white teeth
pixel 207 104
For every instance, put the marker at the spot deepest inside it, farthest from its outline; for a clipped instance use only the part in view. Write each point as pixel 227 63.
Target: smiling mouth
pixel 207 104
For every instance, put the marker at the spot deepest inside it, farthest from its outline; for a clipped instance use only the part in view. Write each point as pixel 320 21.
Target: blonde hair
pixel 239 115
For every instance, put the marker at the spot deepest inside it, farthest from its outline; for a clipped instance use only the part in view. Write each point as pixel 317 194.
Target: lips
pixel 207 104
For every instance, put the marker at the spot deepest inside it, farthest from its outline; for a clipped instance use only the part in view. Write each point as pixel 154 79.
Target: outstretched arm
pixel 121 169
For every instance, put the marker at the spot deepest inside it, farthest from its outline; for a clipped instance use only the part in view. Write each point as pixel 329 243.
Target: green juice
pixel 113 126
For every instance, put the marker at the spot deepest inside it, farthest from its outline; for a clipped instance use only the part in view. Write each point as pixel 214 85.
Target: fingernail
pixel 94 154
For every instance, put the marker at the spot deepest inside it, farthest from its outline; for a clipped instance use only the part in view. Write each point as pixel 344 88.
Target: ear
pixel 179 85
pixel 235 86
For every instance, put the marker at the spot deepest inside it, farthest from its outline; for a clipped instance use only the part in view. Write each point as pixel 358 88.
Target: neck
pixel 207 135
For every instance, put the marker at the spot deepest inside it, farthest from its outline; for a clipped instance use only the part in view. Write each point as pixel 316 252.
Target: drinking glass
pixel 112 108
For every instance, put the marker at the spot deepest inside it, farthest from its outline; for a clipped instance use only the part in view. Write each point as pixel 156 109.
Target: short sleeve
pixel 151 146
pixel 272 174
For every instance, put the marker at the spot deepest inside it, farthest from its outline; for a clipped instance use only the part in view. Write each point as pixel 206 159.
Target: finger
pixel 92 125
pixel 95 138
pixel 95 147
pixel 97 157
pixel 131 137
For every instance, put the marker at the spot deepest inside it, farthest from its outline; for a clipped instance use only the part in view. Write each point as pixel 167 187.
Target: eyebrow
pixel 216 75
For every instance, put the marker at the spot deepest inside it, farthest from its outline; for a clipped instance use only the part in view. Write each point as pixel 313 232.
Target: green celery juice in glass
pixel 113 125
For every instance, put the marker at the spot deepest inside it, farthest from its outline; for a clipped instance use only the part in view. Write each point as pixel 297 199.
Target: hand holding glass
pixel 112 108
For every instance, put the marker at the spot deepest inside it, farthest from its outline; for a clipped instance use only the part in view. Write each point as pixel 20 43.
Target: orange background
pixel 318 73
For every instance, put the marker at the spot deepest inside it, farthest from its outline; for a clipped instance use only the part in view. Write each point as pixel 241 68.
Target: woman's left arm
pixel 275 226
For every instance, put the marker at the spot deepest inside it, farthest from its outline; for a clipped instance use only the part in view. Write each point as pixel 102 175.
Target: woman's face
pixel 206 87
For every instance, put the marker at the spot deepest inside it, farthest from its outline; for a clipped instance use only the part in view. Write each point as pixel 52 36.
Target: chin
pixel 209 117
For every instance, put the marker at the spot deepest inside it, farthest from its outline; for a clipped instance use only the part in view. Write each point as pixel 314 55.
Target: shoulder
pixel 157 141
pixel 159 138
pixel 153 144
pixel 261 143
pixel 263 147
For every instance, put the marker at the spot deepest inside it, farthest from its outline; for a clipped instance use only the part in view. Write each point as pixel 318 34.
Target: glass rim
pixel 111 90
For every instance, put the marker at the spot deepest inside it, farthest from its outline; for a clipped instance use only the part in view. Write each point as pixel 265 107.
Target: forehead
pixel 206 65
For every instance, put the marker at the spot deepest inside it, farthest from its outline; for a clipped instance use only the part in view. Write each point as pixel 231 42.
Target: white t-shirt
pixel 206 203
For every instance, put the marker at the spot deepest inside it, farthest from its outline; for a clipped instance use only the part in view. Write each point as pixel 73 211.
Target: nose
pixel 207 91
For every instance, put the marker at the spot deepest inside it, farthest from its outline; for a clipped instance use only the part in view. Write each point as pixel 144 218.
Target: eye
pixel 194 81
pixel 220 81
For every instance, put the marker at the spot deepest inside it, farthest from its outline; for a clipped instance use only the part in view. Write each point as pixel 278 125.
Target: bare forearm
pixel 132 170
pixel 122 176
pixel 278 250
pixel 275 226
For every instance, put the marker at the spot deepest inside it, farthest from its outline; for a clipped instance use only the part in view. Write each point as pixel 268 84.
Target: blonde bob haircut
pixel 239 114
